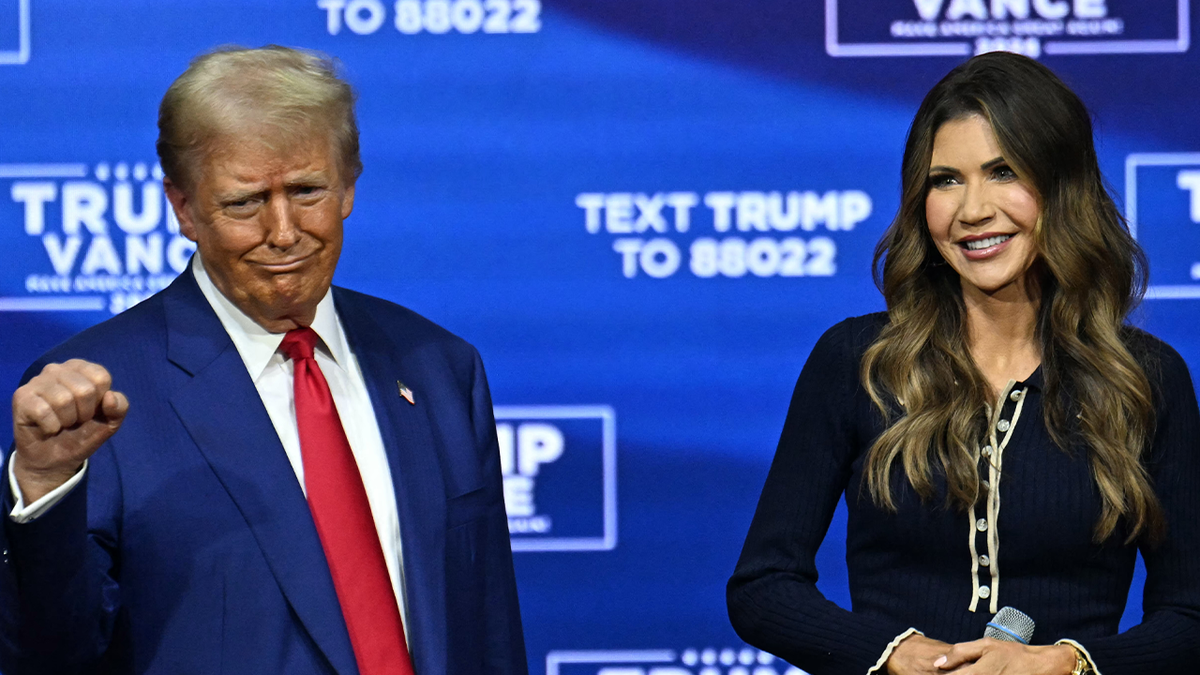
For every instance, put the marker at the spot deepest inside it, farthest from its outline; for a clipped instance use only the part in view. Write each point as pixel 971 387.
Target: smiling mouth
pixel 980 244
pixel 284 265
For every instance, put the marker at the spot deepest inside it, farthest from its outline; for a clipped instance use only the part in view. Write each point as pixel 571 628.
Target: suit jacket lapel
pixel 222 411
pixel 416 476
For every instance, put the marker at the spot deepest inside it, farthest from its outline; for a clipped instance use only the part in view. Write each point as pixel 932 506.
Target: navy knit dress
pixel 1027 543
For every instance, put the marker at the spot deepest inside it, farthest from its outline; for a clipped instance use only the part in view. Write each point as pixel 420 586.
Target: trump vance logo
pixel 92 238
pixel 1030 27
pixel 1162 207
pixel 560 476
pixel 690 661
pixel 15 38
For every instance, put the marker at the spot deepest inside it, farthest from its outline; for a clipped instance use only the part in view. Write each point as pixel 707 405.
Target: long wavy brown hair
pixel 919 371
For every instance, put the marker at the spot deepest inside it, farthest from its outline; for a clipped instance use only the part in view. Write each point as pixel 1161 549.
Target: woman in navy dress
pixel 1002 435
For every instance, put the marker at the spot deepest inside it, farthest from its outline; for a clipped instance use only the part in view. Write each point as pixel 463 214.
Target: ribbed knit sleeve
pixel 772 597
pixel 1168 639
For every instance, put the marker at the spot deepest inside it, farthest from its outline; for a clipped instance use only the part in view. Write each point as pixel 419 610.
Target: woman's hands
pixel 919 655
pixel 993 657
pixel 915 655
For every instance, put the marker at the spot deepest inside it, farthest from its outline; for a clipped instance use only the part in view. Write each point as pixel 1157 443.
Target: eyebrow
pixel 238 195
pixel 315 178
pixel 985 166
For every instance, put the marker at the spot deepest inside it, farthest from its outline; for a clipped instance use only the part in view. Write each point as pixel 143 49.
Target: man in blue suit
pixel 252 471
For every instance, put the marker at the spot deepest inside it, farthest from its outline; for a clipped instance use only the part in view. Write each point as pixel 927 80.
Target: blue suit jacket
pixel 190 548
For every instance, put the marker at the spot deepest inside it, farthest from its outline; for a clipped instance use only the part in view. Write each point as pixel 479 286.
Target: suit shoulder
pixel 1164 367
pixel 398 320
pixel 856 333
pixel 130 335
pixel 1146 345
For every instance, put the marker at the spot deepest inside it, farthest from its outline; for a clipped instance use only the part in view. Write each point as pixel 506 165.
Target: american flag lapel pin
pixel 405 392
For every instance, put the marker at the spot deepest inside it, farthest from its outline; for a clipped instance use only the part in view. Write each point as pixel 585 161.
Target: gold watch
pixel 1082 666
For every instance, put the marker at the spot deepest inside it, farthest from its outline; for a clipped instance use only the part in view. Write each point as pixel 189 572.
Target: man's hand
pixel 915 656
pixel 992 657
pixel 60 418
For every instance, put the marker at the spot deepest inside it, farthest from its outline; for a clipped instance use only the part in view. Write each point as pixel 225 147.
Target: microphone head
pixel 1010 625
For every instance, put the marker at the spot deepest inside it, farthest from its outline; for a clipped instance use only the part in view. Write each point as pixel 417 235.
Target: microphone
pixel 1010 625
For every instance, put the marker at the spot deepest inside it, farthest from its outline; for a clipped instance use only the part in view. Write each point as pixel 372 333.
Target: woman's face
pixel 980 214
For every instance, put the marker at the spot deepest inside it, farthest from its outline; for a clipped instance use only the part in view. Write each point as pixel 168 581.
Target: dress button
pixel 984 592
pixel 984 560
pixel 981 525
pixel 1015 396
pixel 987 485
pixel 1003 425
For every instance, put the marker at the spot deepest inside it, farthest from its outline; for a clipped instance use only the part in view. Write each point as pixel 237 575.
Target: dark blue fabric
pixel 190 548
pixel 912 568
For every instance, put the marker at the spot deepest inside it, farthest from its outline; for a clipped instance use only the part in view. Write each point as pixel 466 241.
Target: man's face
pixel 268 224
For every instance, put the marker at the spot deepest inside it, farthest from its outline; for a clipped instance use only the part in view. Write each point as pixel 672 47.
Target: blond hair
pixel 284 94
pixel 1091 274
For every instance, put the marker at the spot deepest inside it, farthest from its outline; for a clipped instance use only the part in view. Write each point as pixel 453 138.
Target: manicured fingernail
pixel 941 661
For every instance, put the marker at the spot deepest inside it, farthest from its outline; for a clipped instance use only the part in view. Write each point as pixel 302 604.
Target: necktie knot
pixel 298 343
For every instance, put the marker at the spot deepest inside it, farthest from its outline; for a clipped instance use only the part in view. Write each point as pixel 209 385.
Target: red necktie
pixel 343 517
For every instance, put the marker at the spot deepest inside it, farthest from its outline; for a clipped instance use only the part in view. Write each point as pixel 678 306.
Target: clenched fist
pixel 60 418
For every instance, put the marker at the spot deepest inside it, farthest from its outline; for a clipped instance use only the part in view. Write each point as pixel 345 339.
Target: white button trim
pixel 887 653
pixel 993 452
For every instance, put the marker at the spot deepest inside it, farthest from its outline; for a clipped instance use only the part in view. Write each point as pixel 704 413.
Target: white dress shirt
pixel 272 375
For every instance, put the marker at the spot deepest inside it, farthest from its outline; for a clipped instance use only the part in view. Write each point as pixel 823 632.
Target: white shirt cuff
pixel 1082 650
pixel 887 653
pixel 22 513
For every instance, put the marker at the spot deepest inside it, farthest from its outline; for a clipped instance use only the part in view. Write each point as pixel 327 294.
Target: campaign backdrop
pixel 642 212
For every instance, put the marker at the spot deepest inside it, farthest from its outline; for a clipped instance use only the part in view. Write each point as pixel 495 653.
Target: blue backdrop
pixel 643 213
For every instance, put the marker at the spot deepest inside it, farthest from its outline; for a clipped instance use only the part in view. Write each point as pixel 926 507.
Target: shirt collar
pixel 1035 381
pixel 257 345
